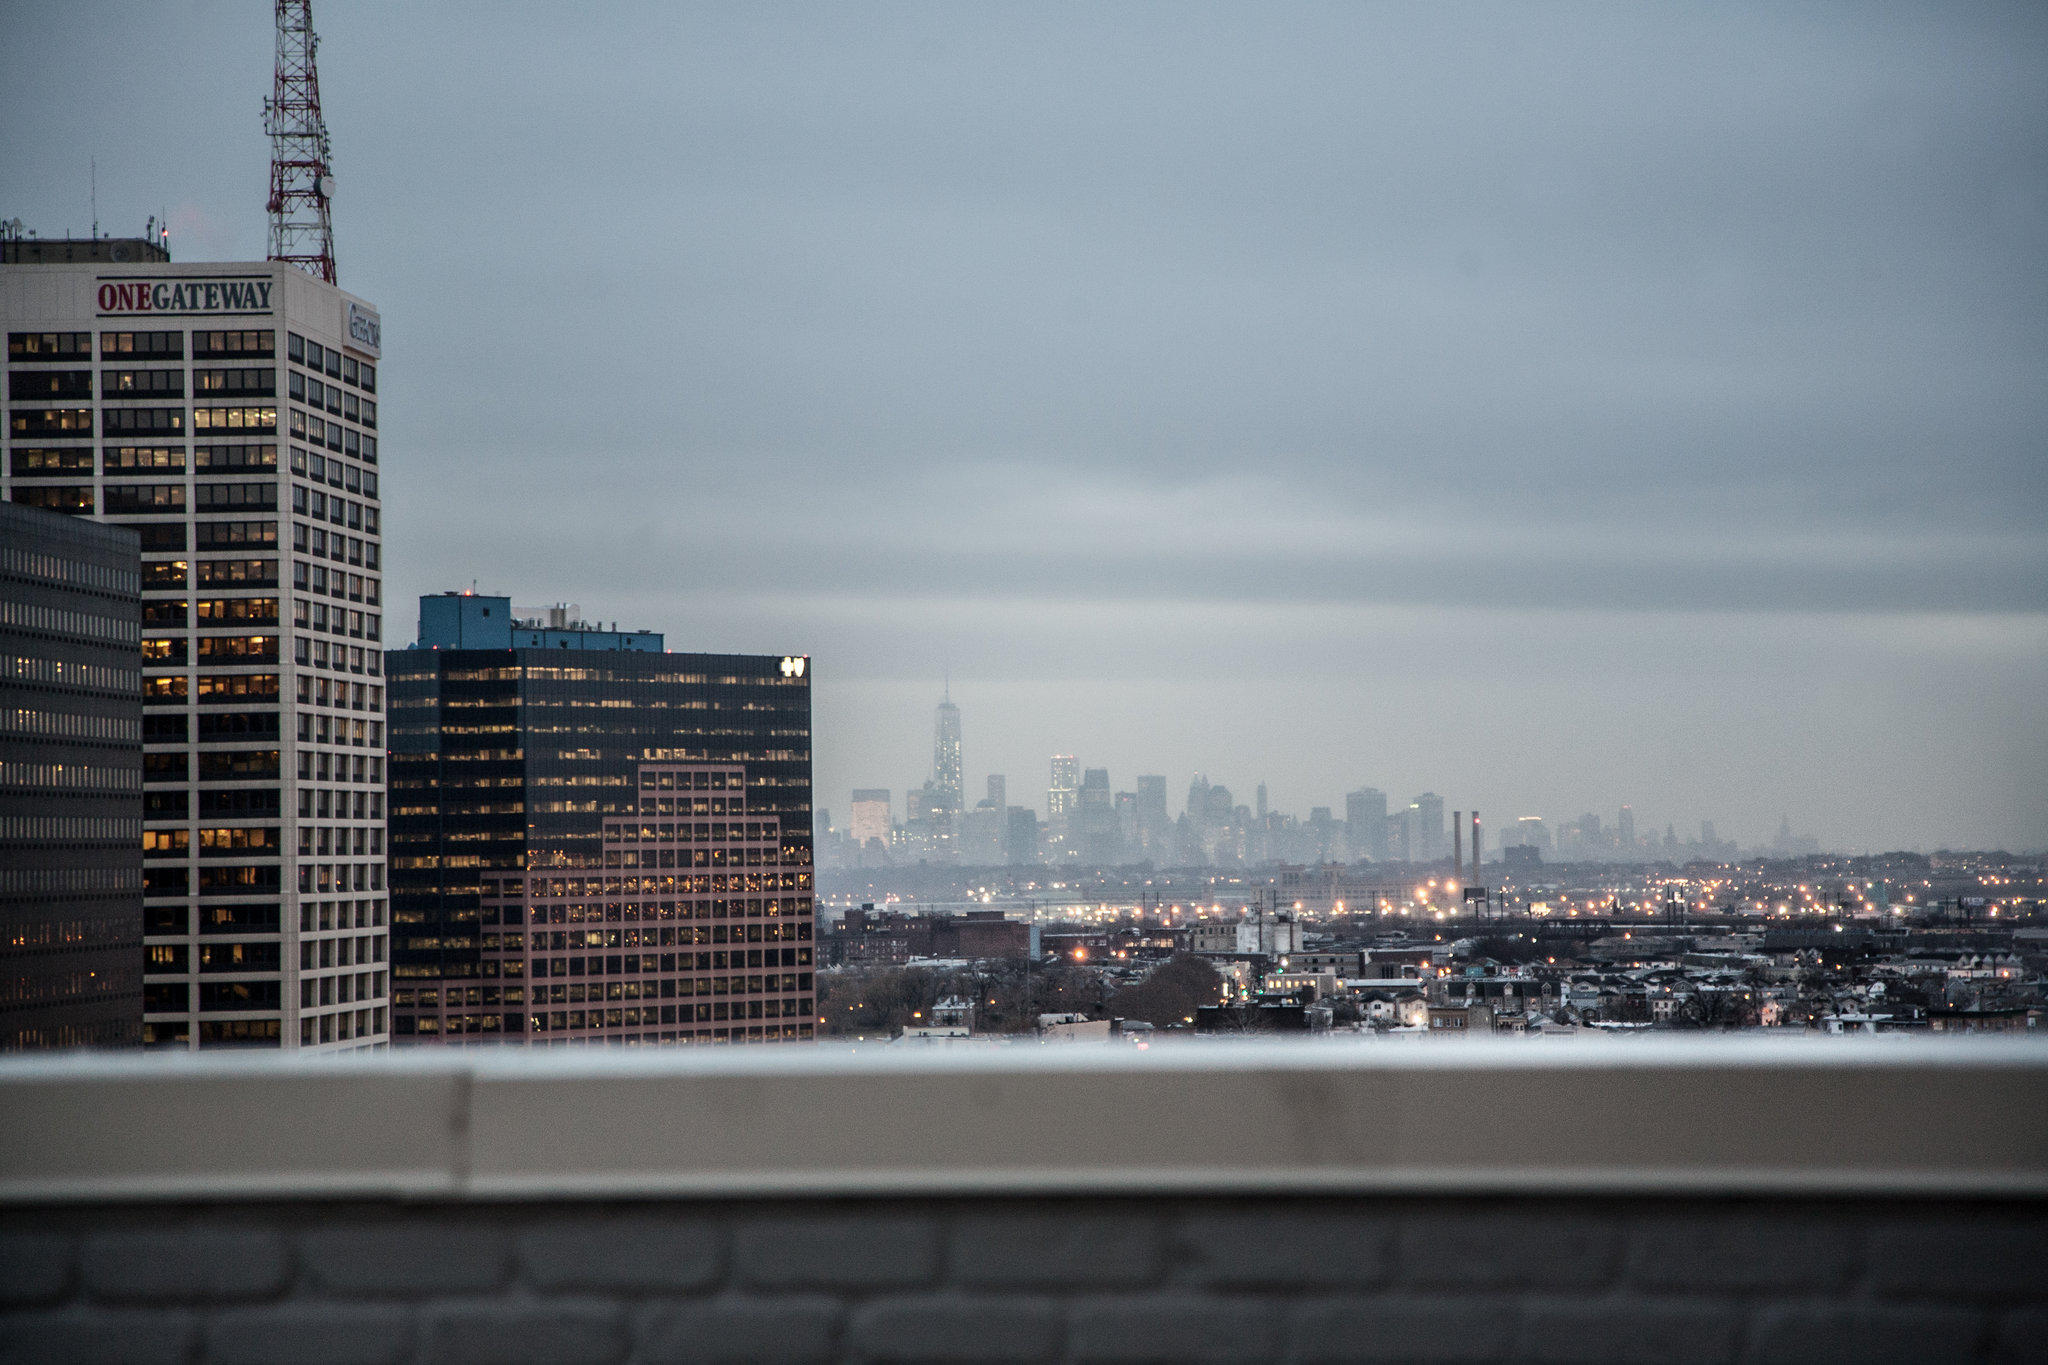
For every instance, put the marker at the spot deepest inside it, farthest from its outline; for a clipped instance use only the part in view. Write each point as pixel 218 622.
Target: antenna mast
pixel 301 177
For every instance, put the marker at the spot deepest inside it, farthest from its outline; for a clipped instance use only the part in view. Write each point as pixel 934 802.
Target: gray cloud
pixel 1104 349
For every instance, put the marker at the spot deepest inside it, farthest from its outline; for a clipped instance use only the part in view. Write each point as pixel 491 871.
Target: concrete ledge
pixel 1670 1116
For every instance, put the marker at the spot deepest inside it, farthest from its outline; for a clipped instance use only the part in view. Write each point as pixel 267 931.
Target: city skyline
pixel 1613 828
pixel 1539 407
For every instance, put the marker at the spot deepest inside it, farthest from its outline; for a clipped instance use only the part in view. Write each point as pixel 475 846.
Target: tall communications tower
pixel 301 176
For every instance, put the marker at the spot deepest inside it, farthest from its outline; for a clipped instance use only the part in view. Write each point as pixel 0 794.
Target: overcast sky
pixel 1550 407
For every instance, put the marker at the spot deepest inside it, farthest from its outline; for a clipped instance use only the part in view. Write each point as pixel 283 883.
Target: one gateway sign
pixel 222 296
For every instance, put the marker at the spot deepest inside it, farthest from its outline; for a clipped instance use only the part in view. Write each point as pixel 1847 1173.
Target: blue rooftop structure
pixel 468 620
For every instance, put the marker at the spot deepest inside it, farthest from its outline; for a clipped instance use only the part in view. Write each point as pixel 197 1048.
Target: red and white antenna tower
pixel 301 177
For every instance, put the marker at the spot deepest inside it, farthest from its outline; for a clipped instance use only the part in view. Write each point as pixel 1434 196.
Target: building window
pixel 238 573
pixel 145 421
pixel 150 345
pixel 237 497
pixel 234 687
pixel 222 535
pixel 142 459
pixel 233 419
pixel 51 461
pixel 41 386
pixel 256 458
pixel 250 383
pixel 217 611
pixel 40 347
pixel 164 576
pixel 231 649
pixel 34 422
pixel 145 499
pixel 142 384
pixel 213 345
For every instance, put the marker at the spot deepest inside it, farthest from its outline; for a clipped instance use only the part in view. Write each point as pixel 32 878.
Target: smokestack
pixel 1477 875
pixel 1458 846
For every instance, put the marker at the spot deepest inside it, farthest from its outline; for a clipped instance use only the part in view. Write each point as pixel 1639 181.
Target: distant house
pixel 951 1020
pixel 1473 1018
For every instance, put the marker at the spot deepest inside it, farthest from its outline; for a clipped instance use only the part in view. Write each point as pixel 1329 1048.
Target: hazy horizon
pixel 1550 408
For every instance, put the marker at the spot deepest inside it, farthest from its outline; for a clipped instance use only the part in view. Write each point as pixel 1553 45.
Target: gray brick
pixel 1284 1248
pixel 787 1327
pixel 311 1333
pixel 1630 1331
pixel 409 1256
pixel 1173 1328
pixel 193 1265
pixel 2022 1338
pixel 1410 1327
pixel 1979 1257
pixel 604 1251
pixel 35 1267
pixel 559 1333
pixel 1057 1249
pixel 1536 1250
pixel 1866 1333
pixel 101 1336
pixel 955 1328
pixel 1709 1249
pixel 849 1250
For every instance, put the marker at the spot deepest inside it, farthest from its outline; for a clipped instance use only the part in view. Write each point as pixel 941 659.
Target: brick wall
pixel 1164 1278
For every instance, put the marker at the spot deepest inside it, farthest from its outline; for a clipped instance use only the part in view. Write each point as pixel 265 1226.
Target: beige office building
pixel 228 413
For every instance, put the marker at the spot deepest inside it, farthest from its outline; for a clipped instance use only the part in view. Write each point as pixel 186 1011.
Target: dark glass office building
pixel 70 782
pixel 593 839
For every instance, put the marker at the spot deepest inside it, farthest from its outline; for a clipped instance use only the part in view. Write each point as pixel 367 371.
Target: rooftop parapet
pixel 1673 1116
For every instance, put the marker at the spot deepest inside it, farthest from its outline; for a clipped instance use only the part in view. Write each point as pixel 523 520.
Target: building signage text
pixel 365 329
pixel 185 296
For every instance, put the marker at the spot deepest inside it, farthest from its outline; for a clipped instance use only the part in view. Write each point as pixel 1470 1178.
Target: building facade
pixel 1020 837
pixel 228 414
pixel 1426 841
pixel 949 790
pixel 70 783
pixel 1365 824
pixel 871 819
pixel 593 839
pixel 869 938
pixel 1097 833
pixel 1061 799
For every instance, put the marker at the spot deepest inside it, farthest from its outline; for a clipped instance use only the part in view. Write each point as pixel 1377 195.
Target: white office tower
pixel 228 412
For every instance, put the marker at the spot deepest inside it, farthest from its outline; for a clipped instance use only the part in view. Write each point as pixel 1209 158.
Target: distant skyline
pixel 1746 827
pixel 1539 405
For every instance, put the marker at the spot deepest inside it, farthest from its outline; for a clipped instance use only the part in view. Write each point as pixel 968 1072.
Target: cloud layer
pixel 1368 385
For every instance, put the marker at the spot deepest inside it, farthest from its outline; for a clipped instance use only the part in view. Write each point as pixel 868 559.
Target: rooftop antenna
pixel 301 173
pixel 95 164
